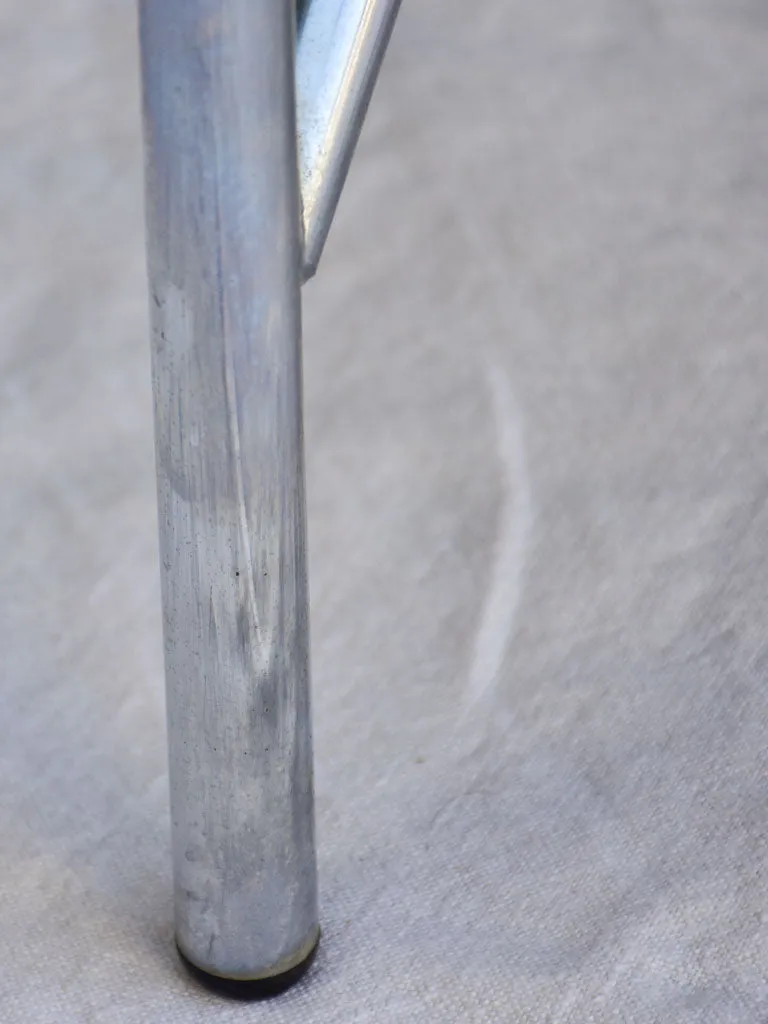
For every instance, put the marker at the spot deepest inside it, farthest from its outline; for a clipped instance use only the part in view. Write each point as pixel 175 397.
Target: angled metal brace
pixel 341 44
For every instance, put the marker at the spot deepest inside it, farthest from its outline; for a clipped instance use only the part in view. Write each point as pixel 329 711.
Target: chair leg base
pixel 255 989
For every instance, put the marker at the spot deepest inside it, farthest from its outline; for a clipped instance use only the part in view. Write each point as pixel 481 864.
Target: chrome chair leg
pixel 238 201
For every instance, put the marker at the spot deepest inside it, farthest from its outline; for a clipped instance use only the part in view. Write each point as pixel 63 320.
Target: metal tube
pixel 340 47
pixel 224 242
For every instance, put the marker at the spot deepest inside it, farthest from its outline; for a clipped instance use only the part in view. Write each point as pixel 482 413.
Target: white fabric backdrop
pixel 536 367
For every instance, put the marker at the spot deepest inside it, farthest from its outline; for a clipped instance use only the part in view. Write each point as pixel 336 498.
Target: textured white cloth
pixel 536 365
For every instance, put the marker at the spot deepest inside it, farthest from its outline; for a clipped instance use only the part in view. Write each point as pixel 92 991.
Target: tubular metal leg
pixel 230 239
pixel 225 257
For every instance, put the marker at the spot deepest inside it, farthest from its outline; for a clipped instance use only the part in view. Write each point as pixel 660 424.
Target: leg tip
pixel 252 989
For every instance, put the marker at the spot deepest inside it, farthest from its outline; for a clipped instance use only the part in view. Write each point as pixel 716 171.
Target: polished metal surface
pixel 339 50
pixel 224 242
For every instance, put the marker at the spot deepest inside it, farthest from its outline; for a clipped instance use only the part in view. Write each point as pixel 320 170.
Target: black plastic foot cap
pixel 258 988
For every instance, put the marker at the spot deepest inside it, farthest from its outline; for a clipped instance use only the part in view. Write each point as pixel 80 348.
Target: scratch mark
pixel 242 512
pixel 261 658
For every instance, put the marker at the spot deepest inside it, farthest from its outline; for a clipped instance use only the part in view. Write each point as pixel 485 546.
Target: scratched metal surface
pixel 535 366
